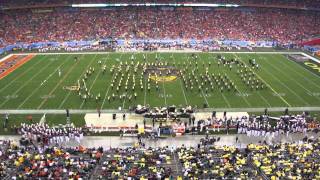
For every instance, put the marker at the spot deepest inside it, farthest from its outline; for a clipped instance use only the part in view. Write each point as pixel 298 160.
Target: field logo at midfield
pixel 313 66
pixel 163 73
pixel 163 78
pixel 71 88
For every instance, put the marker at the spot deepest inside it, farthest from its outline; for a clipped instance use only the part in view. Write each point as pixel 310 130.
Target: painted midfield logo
pixel 163 74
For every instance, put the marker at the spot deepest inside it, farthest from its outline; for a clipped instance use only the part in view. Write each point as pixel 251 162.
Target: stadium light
pixel 89 5
pixel 201 5
pixel 153 5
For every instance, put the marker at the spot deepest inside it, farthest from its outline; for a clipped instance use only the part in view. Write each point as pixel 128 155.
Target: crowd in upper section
pixel 295 3
pixel 250 24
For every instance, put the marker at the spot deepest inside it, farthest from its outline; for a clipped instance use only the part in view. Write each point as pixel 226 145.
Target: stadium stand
pixel 252 25
pixel 296 3
pixel 29 162
pixel 286 160
pixel 292 160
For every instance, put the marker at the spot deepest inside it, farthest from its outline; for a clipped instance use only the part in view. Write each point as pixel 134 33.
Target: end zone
pixel 12 62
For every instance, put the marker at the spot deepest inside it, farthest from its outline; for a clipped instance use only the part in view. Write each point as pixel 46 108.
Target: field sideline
pixel 37 86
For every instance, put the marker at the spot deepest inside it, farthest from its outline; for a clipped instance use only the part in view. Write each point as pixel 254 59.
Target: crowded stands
pixel 293 160
pixel 213 162
pixel 136 163
pixel 51 162
pixel 151 23
pixel 294 3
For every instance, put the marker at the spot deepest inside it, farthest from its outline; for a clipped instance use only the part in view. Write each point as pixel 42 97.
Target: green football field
pixel 37 84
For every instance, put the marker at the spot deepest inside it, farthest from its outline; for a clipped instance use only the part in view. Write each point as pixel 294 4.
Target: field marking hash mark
pixel 36 89
pixel 284 85
pixel 57 85
pixel 67 96
pixel 27 82
pixel 106 94
pixel 20 75
pixel 266 84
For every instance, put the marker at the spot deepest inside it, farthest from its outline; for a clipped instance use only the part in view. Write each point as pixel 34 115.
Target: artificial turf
pixel 15 120
pixel 37 85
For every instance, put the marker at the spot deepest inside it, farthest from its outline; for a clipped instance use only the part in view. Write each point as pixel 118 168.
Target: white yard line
pixel 204 97
pixel 124 101
pixel 226 100
pixel 164 89
pixel 27 82
pixel 266 83
pixel 145 86
pixel 298 72
pixel 285 74
pixel 245 99
pixel 301 53
pixel 264 99
pixel 182 52
pixel 284 85
pixel 105 96
pixel 145 92
pixel 164 93
pixel 43 119
pixel 58 84
pixel 92 86
pixel 184 94
pixel 67 96
pixel 20 75
pixel 36 89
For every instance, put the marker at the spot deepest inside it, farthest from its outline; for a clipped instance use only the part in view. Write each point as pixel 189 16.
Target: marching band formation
pixel 130 76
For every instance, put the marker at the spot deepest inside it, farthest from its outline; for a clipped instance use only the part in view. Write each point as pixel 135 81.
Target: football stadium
pixel 167 89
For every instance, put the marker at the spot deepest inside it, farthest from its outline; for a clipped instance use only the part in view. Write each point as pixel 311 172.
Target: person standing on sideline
pixel 6 119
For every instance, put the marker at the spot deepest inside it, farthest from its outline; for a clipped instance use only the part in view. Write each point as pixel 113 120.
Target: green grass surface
pixel 15 120
pixel 36 85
